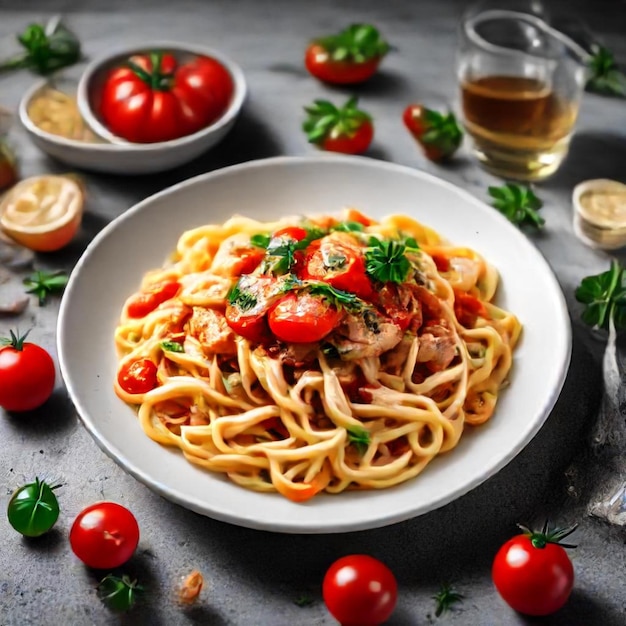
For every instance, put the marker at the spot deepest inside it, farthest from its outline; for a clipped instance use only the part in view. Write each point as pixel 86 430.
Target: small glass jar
pixel 600 213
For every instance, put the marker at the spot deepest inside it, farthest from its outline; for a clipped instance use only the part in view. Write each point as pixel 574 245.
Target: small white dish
pixel 122 157
pixel 148 232
pixel 600 213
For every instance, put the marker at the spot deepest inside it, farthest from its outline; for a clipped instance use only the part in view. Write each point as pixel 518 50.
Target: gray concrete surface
pixel 253 578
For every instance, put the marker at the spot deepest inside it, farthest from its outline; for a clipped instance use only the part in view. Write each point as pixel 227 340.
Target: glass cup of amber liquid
pixel 521 84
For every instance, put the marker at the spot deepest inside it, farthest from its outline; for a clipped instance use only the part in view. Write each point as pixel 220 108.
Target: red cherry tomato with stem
pixel 27 374
pixel 360 590
pixel 532 571
pixel 104 535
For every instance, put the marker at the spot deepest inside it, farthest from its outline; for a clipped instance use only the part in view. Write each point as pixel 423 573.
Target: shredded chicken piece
pixel 357 338
pixel 436 347
pixel 210 328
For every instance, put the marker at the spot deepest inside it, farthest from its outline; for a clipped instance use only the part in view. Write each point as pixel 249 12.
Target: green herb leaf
pixel 119 594
pixel 605 297
pixel 385 260
pixel 260 240
pixel 358 43
pixel 348 227
pixel 442 131
pixel 241 298
pixel 303 600
pixel 360 438
pixel 48 48
pixel 518 204
pixel 445 598
pixel 338 298
pixel 326 120
pixel 606 77
pixel 43 284
pixel 172 346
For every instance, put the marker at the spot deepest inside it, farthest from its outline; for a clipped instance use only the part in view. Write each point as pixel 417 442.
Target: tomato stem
pixel 15 341
pixel 547 535
pixel 155 78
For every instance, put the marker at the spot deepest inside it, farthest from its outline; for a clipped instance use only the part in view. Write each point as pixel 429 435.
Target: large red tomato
pixel 151 98
pixel 27 374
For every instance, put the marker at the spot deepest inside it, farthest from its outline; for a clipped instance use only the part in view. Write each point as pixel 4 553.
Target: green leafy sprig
pixel 385 260
pixel 119 594
pixel 357 43
pixel 442 131
pixel 518 204
pixel 172 346
pixel 327 120
pixel 337 297
pixel 48 48
pixel 42 284
pixel 605 297
pixel 445 598
pixel 606 77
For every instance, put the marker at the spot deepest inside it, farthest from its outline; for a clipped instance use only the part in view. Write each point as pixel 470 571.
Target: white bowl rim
pixel 239 96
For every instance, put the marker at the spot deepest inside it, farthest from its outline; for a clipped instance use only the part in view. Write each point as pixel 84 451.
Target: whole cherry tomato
pixel 27 374
pixel 533 573
pixel 302 318
pixel 345 129
pixel 349 57
pixel 138 376
pixel 439 135
pixel 104 535
pixel 151 98
pixel 360 590
pixel 146 301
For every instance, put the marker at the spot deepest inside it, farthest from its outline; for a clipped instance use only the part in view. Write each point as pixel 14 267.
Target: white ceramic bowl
pixel 149 231
pixel 121 157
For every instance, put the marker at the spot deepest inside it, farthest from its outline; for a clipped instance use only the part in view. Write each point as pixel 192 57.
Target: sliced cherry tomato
pixel 145 302
pixel 468 308
pixel 441 262
pixel 151 99
pixel 302 318
pixel 297 233
pixel 349 57
pixel 249 302
pixel 337 260
pixel 104 535
pixel 27 374
pixel 360 590
pixel 533 573
pixel 138 376
pixel 248 261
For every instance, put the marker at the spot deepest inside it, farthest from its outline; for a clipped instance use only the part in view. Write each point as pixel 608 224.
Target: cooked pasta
pixel 315 354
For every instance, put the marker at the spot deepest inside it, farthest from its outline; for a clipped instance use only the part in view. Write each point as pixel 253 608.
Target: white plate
pixel 113 264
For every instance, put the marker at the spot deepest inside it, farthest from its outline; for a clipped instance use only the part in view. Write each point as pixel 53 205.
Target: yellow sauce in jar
pixel 57 113
pixel 600 213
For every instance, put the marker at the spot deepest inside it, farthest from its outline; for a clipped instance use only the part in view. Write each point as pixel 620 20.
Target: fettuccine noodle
pixel 283 356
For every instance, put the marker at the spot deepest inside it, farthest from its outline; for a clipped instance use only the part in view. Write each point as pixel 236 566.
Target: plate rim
pixel 321 527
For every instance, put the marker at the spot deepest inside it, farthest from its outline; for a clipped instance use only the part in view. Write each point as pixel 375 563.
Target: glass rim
pixel 469 27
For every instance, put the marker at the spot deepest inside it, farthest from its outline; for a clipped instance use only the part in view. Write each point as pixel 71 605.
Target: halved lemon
pixel 43 213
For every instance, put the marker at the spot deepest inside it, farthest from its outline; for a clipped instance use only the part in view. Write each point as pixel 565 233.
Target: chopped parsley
pixel 241 298
pixel 172 346
pixel 260 240
pixel 337 297
pixel 360 438
pixel 348 227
